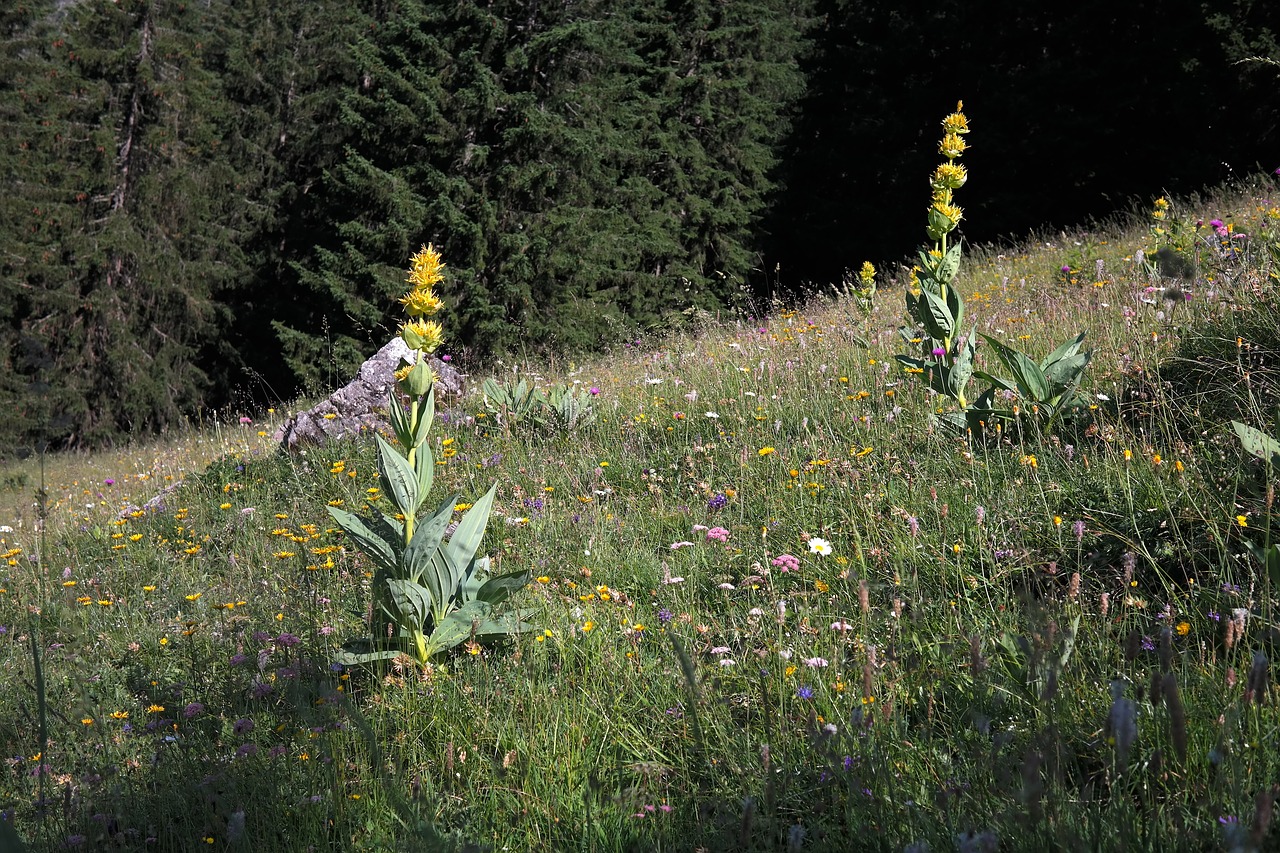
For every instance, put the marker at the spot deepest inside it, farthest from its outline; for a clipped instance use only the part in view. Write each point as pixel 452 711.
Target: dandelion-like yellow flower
pixel 425 268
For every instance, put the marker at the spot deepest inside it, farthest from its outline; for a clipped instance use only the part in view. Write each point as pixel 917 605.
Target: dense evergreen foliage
pixel 212 202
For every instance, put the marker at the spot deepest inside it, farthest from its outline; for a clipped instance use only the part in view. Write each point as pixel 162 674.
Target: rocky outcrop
pixel 360 406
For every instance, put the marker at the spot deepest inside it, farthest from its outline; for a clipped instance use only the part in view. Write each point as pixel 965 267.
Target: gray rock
pixel 359 407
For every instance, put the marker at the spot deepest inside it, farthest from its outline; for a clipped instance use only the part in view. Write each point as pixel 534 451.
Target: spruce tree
pixel 126 215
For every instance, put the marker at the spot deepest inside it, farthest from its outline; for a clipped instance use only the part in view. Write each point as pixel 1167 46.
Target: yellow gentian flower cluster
pixel 944 215
pixel 425 271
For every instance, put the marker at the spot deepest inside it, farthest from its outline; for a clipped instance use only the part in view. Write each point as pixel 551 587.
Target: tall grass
pixel 1058 645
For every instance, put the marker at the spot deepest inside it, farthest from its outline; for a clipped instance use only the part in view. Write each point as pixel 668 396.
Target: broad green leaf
pixel 419 564
pixel 954 422
pixel 399 480
pixel 412 600
pixel 426 464
pixel 1258 443
pixel 1066 350
pixel 477 572
pixel 961 369
pixel 458 625
pixel 426 415
pixel 501 587
pixel 949 266
pixel 511 622
pixel 955 304
pixel 376 547
pixel 936 316
pixel 928 263
pixel 357 652
pixel 913 363
pixel 1067 371
pixel 399 419
pixel 470 531
pixel 391 529
pixel 1031 381
pixel 356 659
pixel 998 381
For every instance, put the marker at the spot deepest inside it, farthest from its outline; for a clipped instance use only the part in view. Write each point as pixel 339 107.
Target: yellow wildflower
pixel 425 268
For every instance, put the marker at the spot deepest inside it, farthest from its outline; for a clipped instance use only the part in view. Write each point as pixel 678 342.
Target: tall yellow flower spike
pixel 425 268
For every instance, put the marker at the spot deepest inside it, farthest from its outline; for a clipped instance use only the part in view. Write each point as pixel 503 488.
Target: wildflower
pixel 815 663
pixel 425 268
pixel 423 335
pixel 804 692
pixel 787 563
pixel 956 122
pixel 819 546
pixel 421 302
pixel 1183 628
pixel 841 626
pixel 949 176
pixel 1242 521
pixel 766 451
pixel 193 709
pixel 952 146
pixel 718 534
